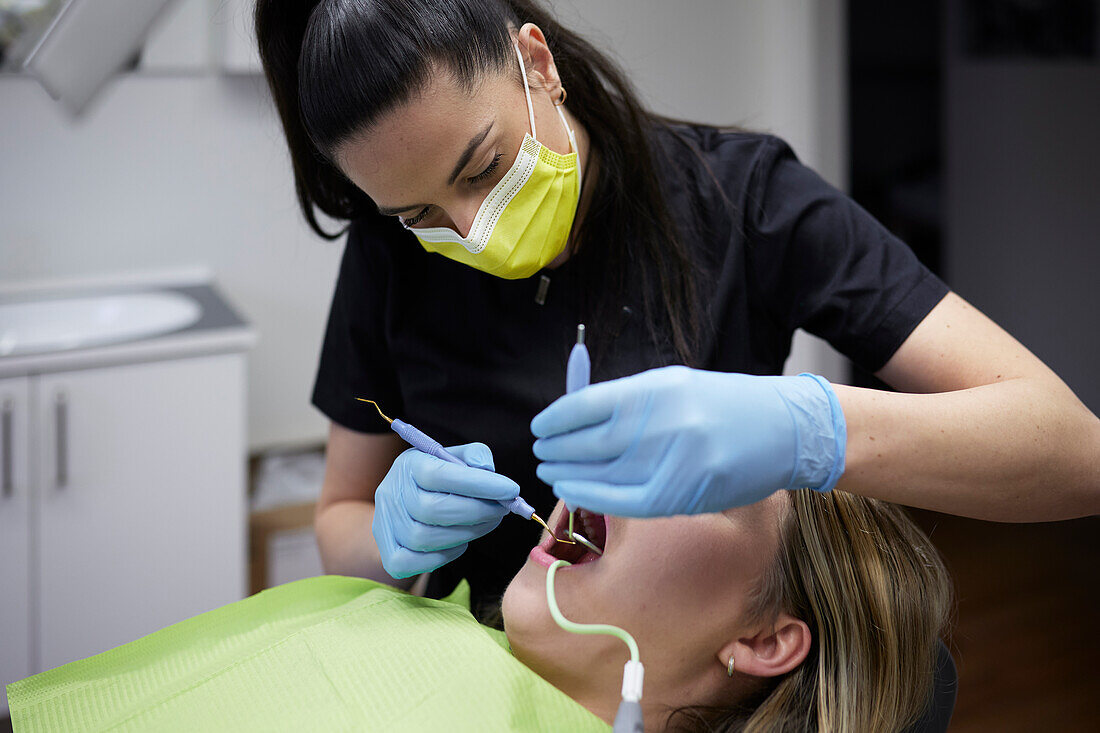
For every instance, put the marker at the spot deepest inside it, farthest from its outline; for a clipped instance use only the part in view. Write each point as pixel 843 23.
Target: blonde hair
pixel 876 596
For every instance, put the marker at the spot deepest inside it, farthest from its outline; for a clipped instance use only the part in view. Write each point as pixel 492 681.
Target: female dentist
pixel 503 183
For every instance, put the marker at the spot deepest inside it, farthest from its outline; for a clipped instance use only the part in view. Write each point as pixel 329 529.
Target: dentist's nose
pixel 463 220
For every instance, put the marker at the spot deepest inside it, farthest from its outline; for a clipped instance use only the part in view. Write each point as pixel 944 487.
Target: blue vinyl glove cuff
pixel 823 435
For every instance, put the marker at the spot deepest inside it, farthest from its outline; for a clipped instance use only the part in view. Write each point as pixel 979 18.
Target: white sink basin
pixel 72 323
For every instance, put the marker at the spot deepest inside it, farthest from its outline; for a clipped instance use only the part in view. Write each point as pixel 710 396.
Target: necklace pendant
pixel 543 288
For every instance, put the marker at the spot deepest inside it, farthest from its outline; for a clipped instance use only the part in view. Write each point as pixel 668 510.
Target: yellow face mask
pixel 524 222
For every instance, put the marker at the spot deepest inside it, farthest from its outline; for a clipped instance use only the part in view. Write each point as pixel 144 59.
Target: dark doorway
pixel 998 97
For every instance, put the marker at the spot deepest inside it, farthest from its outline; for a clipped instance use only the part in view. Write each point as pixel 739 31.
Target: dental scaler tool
pixel 421 441
pixel 578 373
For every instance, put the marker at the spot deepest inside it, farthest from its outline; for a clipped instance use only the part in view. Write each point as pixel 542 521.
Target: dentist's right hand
pixel 427 510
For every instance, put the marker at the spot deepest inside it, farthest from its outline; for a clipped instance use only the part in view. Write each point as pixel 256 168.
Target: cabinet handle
pixel 6 482
pixel 61 413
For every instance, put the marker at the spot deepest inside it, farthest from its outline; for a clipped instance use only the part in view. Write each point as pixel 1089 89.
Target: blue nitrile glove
pixel 684 441
pixel 426 510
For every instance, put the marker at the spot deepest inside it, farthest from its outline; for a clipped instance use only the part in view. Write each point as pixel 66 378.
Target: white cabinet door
pixel 15 591
pixel 142 519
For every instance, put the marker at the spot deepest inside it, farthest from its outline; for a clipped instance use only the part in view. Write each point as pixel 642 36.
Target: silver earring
pixel 729 667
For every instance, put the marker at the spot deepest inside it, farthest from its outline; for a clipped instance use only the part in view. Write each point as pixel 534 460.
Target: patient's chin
pixel 533 636
pixel 524 607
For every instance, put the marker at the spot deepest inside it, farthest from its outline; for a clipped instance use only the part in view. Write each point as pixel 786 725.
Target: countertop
pixel 219 329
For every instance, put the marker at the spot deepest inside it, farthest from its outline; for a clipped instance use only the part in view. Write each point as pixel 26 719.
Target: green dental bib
pixel 329 653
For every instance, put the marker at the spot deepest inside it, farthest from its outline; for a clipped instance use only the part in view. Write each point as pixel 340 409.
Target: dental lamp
pixel 73 47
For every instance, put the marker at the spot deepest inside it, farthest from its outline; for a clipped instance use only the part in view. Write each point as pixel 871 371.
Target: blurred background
pixel 167 462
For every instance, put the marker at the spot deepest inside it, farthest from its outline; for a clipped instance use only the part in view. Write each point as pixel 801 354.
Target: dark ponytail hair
pixel 336 66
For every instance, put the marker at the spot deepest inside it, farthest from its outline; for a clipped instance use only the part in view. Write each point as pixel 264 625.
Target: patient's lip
pixel 541 555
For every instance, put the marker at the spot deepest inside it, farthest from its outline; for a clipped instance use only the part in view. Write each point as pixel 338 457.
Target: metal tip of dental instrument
pixel 540 520
pixel 577 536
pixel 580 334
pixel 387 419
pixel 584 541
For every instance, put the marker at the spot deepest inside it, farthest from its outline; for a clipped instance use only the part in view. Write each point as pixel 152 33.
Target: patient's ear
pixel 774 650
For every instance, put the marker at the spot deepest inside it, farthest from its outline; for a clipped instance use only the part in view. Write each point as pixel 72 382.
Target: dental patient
pixel 830 606
pixel 803 612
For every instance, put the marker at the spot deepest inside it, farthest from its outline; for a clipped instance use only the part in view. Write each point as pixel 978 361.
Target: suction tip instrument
pixel 628 719
pixel 421 441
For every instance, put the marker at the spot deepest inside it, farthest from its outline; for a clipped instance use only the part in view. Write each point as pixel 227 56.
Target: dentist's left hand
pixel 428 510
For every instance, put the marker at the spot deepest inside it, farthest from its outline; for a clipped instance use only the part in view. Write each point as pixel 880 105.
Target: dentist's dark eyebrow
pixel 463 161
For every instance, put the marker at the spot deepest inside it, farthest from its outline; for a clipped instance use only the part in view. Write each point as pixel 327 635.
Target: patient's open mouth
pixel 593 526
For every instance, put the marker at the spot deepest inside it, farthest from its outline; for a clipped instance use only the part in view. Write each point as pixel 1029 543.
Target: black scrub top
pixel 466 356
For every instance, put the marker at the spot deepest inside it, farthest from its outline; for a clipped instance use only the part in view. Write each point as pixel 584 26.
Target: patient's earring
pixel 729 667
pixel 561 100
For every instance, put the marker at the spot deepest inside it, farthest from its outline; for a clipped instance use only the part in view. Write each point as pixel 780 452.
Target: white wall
pixel 1023 182
pixel 176 166
pixel 171 172
pixel 190 169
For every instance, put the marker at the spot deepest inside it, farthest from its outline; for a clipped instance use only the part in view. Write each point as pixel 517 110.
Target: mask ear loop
pixel 572 139
pixel 526 90
pixel 531 111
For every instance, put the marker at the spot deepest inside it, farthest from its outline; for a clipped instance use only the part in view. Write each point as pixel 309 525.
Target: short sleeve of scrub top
pixel 824 264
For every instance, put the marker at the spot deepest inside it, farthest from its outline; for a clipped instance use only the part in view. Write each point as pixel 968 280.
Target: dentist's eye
pixel 488 170
pixel 416 218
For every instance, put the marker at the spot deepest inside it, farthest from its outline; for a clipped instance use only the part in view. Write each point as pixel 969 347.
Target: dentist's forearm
pixel 347 543
pixel 1019 450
